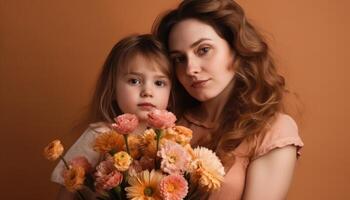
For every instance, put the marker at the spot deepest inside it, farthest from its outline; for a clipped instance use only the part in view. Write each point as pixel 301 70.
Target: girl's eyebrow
pixel 192 45
pixel 141 74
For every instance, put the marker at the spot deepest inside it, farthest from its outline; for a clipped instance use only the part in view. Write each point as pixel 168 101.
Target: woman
pixel 231 95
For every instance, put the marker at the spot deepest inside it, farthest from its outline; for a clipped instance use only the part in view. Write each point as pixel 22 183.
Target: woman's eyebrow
pixel 192 45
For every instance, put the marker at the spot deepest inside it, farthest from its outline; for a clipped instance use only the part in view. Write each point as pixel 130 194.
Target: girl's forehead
pixel 144 64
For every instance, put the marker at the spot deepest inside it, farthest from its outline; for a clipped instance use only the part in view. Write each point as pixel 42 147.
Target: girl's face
pixel 203 60
pixel 141 87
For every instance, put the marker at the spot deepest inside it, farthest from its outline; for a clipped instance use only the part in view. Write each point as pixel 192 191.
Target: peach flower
pixel 175 159
pixel 125 124
pixel 53 150
pixel 173 187
pixel 82 162
pixel 161 119
pixel 74 178
pixel 122 161
pixel 107 177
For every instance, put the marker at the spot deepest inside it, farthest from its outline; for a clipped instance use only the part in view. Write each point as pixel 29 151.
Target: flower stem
pixel 158 134
pixel 65 162
pixel 81 195
pixel 126 144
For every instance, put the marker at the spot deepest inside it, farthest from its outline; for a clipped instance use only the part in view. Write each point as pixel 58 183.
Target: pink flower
pixel 173 187
pixel 107 177
pixel 125 124
pixel 81 161
pixel 161 119
pixel 175 159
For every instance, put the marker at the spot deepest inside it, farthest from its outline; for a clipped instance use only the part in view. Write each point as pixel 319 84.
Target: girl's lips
pixel 199 84
pixel 146 106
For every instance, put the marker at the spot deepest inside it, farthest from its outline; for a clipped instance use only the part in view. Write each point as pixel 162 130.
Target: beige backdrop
pixel 52 51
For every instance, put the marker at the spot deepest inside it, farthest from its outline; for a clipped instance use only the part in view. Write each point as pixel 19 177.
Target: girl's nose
pixel 146 91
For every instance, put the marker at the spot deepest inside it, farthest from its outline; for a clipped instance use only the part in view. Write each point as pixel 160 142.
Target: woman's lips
pixel 146 106
pixel 199 84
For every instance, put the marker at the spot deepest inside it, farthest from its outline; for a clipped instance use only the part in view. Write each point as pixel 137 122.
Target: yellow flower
pixel 144 186
pixel 74 178
pixel 53 150
pixel 122 161
pixel 207 169
pixel 107 141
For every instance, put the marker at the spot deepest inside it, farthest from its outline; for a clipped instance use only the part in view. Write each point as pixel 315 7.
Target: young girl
pixel 232 97
pixel 135 78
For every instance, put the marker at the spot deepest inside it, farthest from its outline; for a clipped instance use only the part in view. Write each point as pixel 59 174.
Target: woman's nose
pixel 193 66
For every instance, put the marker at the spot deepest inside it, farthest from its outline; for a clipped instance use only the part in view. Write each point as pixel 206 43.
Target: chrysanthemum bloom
pixel 144 186
pixel 125 124
pixel 82 162
pixel 175 159
pixel 207 169
pixel 161 119
pixel 107 176
pixel 134 146
pixel 183 136
pixel 53 150
pixel 107 141
pixel 74 178
pixel 122 161
pixel 149 142
pixel 173 187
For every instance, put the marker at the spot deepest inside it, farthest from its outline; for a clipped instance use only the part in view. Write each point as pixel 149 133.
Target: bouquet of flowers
pixel 158 164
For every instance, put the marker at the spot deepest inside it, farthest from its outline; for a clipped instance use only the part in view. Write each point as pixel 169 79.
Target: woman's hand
pixel 269 176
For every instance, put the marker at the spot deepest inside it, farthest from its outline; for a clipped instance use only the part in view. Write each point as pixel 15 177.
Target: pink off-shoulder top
pixel 282 132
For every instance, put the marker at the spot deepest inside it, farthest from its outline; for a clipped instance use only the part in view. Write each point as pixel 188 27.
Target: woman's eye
pixel 160 83
pixel 203 50
pixel 178 59
pixel 134 81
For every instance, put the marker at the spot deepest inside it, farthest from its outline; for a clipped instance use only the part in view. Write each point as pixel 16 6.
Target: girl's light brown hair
pixel 258 88
pixel 104 106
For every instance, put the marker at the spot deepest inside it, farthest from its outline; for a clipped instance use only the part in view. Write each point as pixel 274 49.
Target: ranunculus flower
pixel 173 187
pixel 74 178
pixel 82 162
pixel 161 119
pixel 53 150
pixel 107 176
pixel 122 161
pixel 125 124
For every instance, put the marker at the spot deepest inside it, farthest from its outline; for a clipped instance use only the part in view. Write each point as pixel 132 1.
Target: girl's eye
pixel 160 83
pixel 134 81
pixel 203 50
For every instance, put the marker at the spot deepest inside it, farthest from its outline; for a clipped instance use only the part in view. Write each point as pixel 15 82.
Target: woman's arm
pixel 64 194
pixel 269 176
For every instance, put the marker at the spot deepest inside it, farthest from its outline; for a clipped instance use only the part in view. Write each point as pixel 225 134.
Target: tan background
pixel 51 52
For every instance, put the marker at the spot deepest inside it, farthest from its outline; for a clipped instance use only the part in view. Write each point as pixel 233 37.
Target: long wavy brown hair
pixel 258 88
pixel 103 106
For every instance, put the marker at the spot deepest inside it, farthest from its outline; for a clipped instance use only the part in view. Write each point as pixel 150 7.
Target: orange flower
pixel 53 150
pixel 134 146
pixel 184 135
pixel 105 142
pixel 74 178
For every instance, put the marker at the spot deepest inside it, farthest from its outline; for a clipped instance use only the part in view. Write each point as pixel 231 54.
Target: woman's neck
pixel 211 111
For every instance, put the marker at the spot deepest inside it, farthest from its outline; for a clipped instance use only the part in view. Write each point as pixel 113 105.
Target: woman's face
pixel 203 60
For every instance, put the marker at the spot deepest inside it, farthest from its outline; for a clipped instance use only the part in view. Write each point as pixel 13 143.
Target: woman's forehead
pixel 184 34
